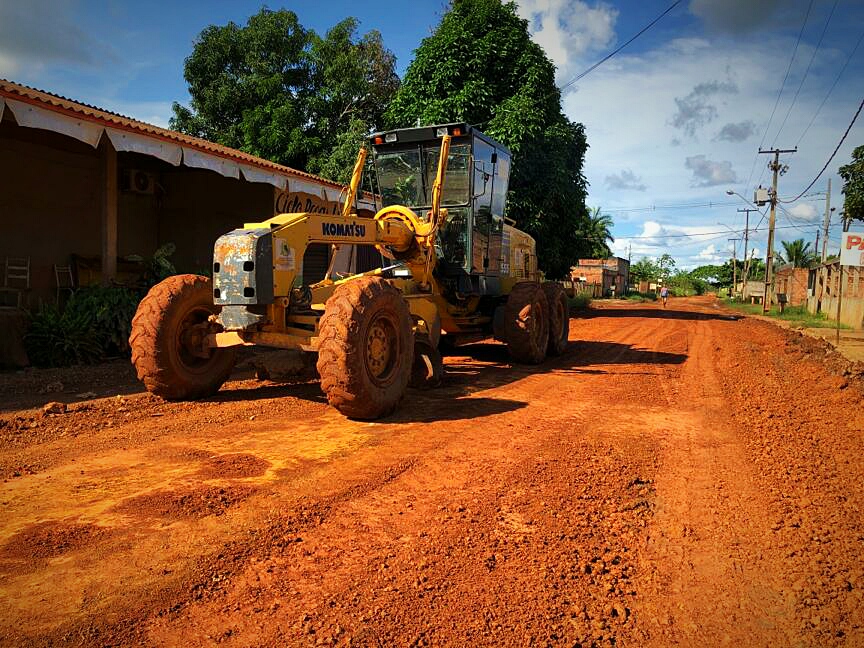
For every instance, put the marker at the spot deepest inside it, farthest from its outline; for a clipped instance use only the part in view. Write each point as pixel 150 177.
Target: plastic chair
pixel 64 279
pixel 16 279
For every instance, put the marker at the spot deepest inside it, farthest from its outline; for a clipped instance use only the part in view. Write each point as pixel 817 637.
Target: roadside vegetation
pixel 579 302
pixel 794 314
pixel 95 322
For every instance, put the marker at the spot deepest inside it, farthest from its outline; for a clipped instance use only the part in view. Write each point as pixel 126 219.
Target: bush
pixel 56 339
pixel 579 302
pixel 109 310
pixel 642 297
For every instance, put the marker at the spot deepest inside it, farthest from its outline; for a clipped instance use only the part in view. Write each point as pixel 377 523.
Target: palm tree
pixel 598 231
pixel 798 253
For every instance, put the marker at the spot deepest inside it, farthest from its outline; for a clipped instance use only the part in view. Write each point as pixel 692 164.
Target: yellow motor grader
pixel 456 273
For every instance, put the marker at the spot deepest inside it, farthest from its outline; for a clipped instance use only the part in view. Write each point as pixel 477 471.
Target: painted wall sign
pixel 852 249
pixel 295 202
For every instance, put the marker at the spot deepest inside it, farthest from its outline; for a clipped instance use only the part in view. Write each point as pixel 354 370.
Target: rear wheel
pixel 167 340
pixel 526 323
pixel 559 317
pixel 365 348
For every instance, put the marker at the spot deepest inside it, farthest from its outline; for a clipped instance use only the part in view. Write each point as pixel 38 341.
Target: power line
pixel 839 144
pixel 806 72
pixel 615 51
pixel 779 94
pixel 586 72
pixel 831 89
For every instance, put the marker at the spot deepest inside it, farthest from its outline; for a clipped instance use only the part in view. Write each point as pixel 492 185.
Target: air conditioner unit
pixel 136 181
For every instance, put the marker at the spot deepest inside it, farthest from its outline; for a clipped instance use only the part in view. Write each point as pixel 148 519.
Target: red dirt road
pixel 676 478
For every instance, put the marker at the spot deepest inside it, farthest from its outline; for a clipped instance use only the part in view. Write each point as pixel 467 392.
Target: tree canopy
pixel 797 252
pixel 853 185
pixel 282 92
pixel 481 66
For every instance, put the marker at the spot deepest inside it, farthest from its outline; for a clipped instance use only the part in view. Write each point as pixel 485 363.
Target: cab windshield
pixel 405 177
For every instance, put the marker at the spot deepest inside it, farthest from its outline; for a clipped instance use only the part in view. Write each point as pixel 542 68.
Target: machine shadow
pixel 487 365
pixel 309 390
pixel 428 406
pixel 654 313
pixel 473 368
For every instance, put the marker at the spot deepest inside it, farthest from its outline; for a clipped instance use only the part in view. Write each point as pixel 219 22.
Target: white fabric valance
pixel 253 174
pixel 199 160
pixel 35 117
pixel 135 143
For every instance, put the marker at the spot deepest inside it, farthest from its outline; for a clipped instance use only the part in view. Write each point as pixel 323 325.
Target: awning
pixel 260 175
pixel 199 160
pixel 35 117
pixel 134 143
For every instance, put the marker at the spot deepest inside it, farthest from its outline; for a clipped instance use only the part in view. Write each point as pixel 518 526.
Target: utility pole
pixel 746 211
pixel 778 169
pixel 826 223
pixel 734 266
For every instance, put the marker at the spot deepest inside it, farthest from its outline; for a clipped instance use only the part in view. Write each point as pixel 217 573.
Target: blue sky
pixel 673 121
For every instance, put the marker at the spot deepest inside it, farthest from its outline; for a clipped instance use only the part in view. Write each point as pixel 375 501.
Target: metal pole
pixel 746 240
pixel 826 223
pixel 839 302
pixel 734 268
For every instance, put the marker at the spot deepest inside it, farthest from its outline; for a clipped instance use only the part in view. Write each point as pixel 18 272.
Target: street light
pixel 729 192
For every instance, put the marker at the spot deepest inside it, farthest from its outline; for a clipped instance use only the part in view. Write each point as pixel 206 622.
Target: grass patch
pixel 579 302
pixel 794 314
pixel 641 297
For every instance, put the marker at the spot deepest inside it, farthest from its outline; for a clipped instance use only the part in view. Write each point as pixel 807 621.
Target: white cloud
pixel 624 181
pixel 708 253
pixel 569 29
pixel 737 132
pixel 694 110
pixel 707 173
pixel 806 212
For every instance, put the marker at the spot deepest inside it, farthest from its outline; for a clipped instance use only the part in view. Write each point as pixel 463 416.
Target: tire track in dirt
pixel 704 550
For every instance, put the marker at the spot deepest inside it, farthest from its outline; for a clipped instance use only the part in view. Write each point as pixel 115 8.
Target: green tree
pixel 853 185
pixel 481 66
pixel 598 233
pixel 796 252
pixel 666 265
pixel 716 275
pixel 279 91
pixel 645 269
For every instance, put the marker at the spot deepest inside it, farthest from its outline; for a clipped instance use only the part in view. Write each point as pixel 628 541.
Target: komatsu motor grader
pixel 455 273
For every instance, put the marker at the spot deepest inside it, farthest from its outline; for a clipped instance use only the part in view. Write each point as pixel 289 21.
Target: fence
pixel 825 292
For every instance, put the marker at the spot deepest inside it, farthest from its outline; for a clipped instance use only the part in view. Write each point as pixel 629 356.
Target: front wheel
pixel 167 340
pixel 365 348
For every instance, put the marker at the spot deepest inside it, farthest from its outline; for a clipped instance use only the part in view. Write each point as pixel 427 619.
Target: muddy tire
pixel 559 317
pixel 365 348
pixel 526 323
pixel 428 367
pixel 165 329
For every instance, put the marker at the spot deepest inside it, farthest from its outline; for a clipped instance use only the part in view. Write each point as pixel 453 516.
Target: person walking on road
pixel 664 295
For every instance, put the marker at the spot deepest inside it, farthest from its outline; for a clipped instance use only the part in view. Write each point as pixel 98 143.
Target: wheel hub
pixel 379 349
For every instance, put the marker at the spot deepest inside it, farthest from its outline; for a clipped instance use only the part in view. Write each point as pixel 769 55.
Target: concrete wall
pixel 851 310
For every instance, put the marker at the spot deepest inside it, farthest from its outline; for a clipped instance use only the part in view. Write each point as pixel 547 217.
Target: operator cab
pixel 469 242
